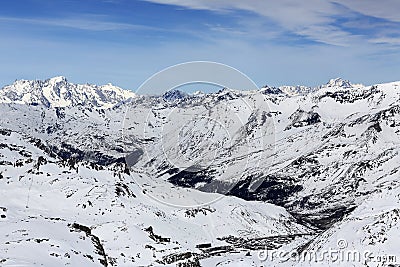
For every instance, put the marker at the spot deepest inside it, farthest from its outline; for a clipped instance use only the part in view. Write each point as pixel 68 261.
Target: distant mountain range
pixel 58 92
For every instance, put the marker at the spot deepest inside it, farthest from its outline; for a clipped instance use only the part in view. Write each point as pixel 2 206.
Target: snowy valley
pixel 100 176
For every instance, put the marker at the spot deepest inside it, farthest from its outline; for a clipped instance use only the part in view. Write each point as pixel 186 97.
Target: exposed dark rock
pixel 325 218
pixel 301 118
pixel 96 241
pixel 5 132
pixel 349 96
pixel 122 189
pixel 271 90
pixel 205 245
pixel 133 157
pixel 194 211
pixel 155 237
pixel 189 178
pixel 273 189
pixel 173 95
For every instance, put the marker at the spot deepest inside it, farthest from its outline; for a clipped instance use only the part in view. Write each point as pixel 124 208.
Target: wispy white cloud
pixel 329 35
pixel 313 19
pixel 386 40
pixel 384 9
pixel 89 23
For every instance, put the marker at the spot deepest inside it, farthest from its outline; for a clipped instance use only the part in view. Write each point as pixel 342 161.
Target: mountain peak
pixel 174 94
pixel 270 90
pixel 339 82
pixel 58 79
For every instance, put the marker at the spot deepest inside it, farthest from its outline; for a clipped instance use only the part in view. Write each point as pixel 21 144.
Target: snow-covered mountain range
pixel 97 175
pixel 58 92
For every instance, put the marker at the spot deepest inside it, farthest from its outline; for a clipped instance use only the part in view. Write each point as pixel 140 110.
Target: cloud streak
pixel 386 40
pixel 384 9
pixel 88 23
pixel 313 19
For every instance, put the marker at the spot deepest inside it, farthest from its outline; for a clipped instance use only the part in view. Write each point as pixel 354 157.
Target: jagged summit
pixel 303 90
pixel 287 90
pixel 58 79
pixel 58 92
pixel 174 94
pixel 297 90
pixel 270 90
pixel 339 82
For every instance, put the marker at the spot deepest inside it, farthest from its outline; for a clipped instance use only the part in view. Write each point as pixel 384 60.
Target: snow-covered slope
pixel 85 214
pixel 209 179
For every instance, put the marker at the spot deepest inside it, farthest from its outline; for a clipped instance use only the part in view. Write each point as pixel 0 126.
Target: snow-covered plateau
pixel 290 176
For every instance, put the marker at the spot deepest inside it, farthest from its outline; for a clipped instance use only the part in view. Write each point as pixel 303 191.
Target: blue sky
pixel 285 42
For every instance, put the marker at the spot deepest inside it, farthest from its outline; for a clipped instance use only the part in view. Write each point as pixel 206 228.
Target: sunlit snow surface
pixel 68 198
